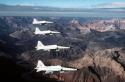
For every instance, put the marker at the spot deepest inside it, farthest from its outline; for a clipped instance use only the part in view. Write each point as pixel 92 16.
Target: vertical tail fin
pixel 37 30
pixel 39 45
pixel 35 21
pixel 40 64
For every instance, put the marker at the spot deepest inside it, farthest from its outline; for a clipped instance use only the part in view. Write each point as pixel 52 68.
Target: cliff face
pixel 101 66
pixel 98 55
pixel 98 25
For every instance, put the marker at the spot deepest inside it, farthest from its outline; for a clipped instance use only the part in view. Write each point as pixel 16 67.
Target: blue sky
pixel 67 3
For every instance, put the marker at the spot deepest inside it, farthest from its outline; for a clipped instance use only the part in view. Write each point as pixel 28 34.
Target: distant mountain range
pixel 4 7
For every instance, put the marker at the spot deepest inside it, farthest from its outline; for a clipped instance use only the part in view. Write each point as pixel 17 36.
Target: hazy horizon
pixel 50 7
pixel 68 3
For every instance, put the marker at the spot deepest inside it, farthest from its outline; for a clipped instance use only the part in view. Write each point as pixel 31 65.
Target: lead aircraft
pixel 35 21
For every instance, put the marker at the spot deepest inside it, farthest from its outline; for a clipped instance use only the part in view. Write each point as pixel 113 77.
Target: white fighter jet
pixel 51 69
pixel 35 21
pixel 40 46
pixel 38 31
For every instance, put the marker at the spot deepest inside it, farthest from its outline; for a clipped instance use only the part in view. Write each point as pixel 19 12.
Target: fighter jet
pixel 51 69
pixel 35 21
pixel 46 32
pixel 40 46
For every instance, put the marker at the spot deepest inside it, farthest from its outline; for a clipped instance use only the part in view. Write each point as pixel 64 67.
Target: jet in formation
pixel 41 46
pixel 46 32
pixel 51 69
pixel 35 21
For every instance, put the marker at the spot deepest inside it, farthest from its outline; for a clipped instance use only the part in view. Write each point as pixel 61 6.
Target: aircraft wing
pixel 48 71
pixel 68 69
pixel 54 32
pixel 48 22
pixel 62 47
